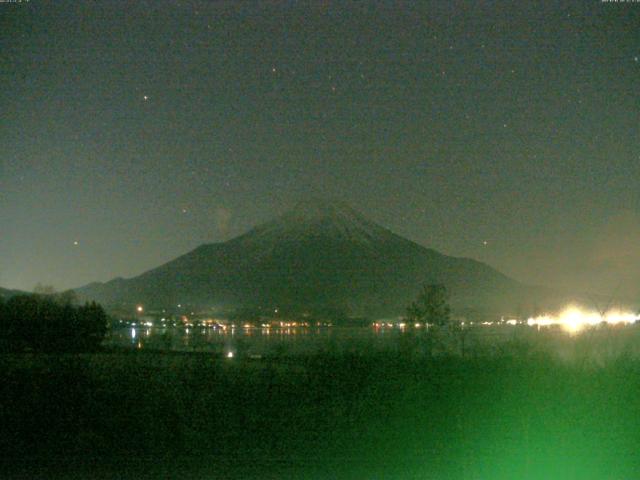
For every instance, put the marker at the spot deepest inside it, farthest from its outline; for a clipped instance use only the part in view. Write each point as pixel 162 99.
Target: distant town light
pixel 572 319
pixel 139 309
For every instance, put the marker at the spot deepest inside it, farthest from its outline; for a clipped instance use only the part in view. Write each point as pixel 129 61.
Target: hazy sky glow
pixel 132 132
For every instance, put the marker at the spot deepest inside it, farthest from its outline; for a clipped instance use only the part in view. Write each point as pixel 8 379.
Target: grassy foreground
pixel 328 416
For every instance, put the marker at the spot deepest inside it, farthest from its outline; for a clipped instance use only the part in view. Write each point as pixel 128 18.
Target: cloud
pixel 617 240
pixel 614 254
pixel 222 219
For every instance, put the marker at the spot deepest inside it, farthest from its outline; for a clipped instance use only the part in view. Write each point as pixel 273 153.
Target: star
pixel 76 243
pixel 636 59
pixel 485 243
pixel 145 98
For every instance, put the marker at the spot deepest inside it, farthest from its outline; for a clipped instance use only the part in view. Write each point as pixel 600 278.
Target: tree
pixel 91 325
pixel 68 297
pixel 42 323
pixel 430 307
pixel 42 289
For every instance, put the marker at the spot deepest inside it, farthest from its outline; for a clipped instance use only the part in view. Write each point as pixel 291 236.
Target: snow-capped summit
pixel 318 219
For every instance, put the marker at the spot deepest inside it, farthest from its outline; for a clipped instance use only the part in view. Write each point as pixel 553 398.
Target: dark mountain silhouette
pixel 6 293
pixel 318 255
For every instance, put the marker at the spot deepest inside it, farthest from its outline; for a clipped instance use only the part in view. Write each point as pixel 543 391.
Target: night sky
pixel 132 132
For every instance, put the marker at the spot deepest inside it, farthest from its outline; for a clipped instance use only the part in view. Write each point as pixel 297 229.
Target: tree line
pixel 51 323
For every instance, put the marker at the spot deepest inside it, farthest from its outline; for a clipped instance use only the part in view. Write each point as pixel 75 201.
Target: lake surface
pixel 597 344
pixel 256 341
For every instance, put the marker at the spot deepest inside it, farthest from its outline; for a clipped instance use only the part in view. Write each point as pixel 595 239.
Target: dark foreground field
pixel 510 415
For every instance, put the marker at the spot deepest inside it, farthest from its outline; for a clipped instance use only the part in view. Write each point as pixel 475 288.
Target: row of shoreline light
pixel 574 319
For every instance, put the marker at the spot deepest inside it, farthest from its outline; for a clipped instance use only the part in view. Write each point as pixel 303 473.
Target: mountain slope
pixel 6 293
pixel 318 255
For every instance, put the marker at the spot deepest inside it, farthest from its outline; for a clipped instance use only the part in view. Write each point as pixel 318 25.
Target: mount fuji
pixel 318 255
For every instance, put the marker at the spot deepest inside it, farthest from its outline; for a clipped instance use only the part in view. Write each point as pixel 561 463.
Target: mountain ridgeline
pixel 320 255
pixel 6 294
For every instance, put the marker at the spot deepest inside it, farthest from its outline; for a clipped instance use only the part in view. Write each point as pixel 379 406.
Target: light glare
pixel 573 319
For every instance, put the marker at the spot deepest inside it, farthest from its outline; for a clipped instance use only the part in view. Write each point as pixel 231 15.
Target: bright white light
pixel 139 309
pixel 230 355
pixel 573 319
